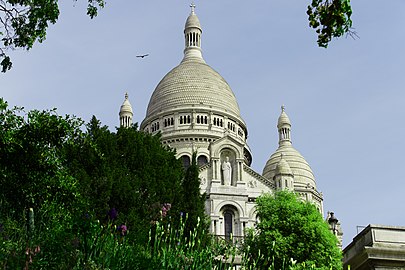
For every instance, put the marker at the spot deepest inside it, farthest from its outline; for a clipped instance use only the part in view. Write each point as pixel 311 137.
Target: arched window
pixel 188 119
pixel 198 119
pixel 228 223
pixel 205 120
pixel 186 161
pixel 202 160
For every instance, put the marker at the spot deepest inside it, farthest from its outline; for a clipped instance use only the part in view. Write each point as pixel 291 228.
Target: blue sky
pixel 346 102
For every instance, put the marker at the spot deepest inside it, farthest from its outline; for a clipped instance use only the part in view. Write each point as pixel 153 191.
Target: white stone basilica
pixel 194 109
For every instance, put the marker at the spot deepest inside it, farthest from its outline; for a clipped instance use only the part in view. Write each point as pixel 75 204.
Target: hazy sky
pixel 346 103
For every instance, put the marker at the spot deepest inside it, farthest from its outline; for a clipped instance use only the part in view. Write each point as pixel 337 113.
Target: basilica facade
pixel 195 110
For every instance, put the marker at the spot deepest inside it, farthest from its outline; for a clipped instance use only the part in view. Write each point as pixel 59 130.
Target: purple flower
pixel 122 229
pixel 112 214
pixel 165 208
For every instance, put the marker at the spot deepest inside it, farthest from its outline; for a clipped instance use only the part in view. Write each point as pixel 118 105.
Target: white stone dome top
pixel 126 105
pixel 283 119
pixel 300 168
pixel 192 20
pixel 193 83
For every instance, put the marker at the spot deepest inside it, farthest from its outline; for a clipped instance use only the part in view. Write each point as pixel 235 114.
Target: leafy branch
pixel 330 18
pixel 23 22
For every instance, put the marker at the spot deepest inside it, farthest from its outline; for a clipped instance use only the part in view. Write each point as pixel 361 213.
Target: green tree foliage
pixel 130 171
pixel 291 232
pixel 330 18
pixel 38 196
pixel 22 22
pixel 193 204
pixel 33 170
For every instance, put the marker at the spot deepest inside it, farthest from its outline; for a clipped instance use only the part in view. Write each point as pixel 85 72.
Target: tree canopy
pixel 33 169
pixel 129 171
pixel 73 178
pixel 291 232
pixel 23 22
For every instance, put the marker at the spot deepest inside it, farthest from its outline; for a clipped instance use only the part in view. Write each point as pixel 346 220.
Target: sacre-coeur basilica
pixel 194 110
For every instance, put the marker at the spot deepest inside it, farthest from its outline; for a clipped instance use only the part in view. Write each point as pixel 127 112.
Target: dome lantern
pixel 284 127
pixel 126 113
pixel 192 36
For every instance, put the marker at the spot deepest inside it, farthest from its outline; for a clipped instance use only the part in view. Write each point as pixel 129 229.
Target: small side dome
pixel 283 119
pixel 126 105
pixel 282 167
pixel 300 168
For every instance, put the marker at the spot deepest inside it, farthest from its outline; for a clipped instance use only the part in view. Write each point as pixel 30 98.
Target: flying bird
pixel 142 55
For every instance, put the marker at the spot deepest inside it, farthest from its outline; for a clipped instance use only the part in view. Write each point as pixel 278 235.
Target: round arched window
pixel 186 161
pixel 202 160
pixel 228 222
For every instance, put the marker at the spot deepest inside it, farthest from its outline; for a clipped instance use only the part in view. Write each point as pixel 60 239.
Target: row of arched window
pixel 201 160
pixel 126 121
pixel 218 122
pixel 185 119
pixel 193 39
pixel 284 134
pixel 169 122
pixel 202 119
pixel 231 126
pixel 279 183
pixel 155 126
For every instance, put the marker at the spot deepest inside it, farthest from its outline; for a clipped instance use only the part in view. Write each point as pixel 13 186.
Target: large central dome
pixel 193 83
pixel 193 105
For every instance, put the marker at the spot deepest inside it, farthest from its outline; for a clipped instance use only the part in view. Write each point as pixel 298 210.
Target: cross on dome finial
pixel 126 95
pixel 282 108
pixel 192 5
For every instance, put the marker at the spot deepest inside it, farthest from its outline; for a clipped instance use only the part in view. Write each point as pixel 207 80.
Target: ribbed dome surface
pixel 193 83
pixel 299 166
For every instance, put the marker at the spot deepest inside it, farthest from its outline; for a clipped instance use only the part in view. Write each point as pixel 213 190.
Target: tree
pixel 291 232
pixel 38 198
pixel 129 171
pixel 193 204
pixel 33 172
pixel 23 22
pixel 330 18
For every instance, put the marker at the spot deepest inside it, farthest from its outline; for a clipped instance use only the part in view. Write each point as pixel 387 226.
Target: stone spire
pixel 126 113
pixel 192 36
pixel 284 128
